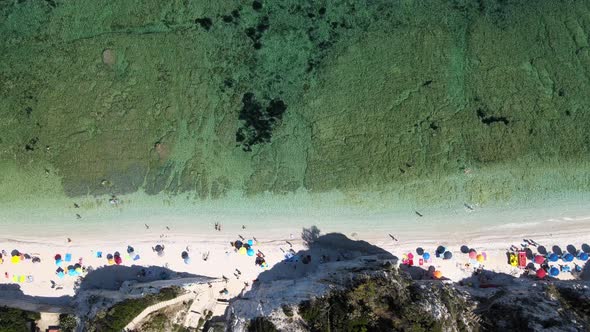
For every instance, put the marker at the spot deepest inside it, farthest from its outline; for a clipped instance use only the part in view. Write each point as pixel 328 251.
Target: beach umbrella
pixel 479 258
pixel 410 255
pixel 250 242
pixel 440 250
pixel 464 249
pixel 184 255
pixel 109 256
pixel 159 248
pixel 420 251
pixel 238 244
pixel 71 268
pixel 60 274
pixel 437 274
pixel 553 257
pixel 117 254
pixel 539 259
pixel 77 266
pixel 130 249
pixel 15 259
pixel 36 260
pixel 118 260
pixel 242 251
pixel 448 255
pixel 110 261
pixel 14 253
pixel 568 257
pixel 250 252
pixel 426 256
pixel 27 256
pixel 472 254
pixel 553 271
pixel 57 257
pixel 72 273
pixel 583 256
pixel 58 262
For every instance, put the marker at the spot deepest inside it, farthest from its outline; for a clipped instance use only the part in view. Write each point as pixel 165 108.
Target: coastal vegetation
pixel 16 320
pixel 386 304
pixel 67 323
pixel 116 317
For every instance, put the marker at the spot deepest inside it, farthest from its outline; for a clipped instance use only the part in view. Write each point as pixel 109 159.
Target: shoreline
pixel 483 229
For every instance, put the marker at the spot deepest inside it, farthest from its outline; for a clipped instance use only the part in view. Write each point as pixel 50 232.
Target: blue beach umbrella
pixel 553 257
pixel 568 257
pixel 60 274
pixel 250 252
pixel 426 256
pixel 250 242
pixel 583 256
pixel 553 271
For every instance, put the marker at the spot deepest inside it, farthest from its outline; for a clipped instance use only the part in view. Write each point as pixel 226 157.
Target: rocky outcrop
pixel 365 290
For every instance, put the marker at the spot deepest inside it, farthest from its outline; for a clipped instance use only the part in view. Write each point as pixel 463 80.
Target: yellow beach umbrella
pixel 242 251
pixel 480 258
pixel 15 259
pixel 21 279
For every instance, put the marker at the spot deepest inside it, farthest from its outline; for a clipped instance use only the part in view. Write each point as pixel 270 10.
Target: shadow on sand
pixel 104 278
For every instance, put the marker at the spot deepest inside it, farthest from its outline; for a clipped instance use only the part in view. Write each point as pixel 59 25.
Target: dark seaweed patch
pixel 30 146
pixel 205 22
pixel 257 121
pixel 255 33
pixel 257 5
pixel 28 111
pixel 488 120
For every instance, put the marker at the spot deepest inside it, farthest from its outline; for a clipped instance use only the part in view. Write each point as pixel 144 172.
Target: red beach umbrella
pixel 539 259
pixel 118 260
pixel 57 257
pixel 541 273
pixel 410 256
pixel 472 254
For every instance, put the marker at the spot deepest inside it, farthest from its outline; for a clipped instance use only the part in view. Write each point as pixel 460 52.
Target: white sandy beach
pixel 492 231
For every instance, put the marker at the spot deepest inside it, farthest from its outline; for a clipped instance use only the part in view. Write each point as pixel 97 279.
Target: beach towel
pixel 68 258
pixel 136 257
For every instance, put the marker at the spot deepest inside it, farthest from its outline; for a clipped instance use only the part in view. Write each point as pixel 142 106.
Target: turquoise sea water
pixel 292 108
